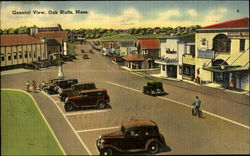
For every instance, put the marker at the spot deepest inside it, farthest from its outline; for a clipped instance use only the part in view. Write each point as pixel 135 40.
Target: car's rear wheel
pixel 68 107
pixel 101 104
pixel 106 151
pixel 153 147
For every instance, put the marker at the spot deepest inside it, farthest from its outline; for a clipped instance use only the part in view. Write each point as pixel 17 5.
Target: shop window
pixel 242 45
pixel 15 56
pixel 9 57
pixel 26 54
pixel 20 55
pixel 34 54
pixel 221 43
pixel 2 57
pixel 192 50
pixel 163 68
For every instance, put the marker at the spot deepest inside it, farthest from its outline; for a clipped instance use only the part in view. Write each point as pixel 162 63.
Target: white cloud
pixel 214 16
pixel 222 10
pixel 192 12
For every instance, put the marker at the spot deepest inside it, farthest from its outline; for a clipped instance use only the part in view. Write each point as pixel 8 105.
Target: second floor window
pixel 221 43
pixel 242 45
pixel 192 50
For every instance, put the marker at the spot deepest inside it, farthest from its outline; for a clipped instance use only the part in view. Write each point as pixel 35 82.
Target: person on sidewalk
pixel 196 108
pixel 27 86
pixel 33 85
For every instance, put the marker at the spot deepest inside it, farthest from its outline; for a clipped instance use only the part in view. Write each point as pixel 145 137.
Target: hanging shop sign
pixel 208 54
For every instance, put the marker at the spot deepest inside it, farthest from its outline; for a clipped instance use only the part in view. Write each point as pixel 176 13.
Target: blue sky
pixel 124 14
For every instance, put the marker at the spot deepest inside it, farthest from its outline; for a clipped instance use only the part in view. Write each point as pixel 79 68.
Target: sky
pixel 121 14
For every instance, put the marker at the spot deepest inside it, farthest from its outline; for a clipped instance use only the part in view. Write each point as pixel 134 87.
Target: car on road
pixel 74 90
pixel 87 98
pixel 40 64
pixel 44 84
pixel 85 56
pixel 56 86
pixel 133 136
pixel 154 88
pixel 30 66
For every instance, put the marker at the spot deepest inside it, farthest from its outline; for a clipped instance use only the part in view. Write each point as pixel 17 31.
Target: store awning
pixel 225 68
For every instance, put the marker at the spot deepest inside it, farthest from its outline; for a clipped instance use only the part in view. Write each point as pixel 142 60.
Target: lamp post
pixel 60 69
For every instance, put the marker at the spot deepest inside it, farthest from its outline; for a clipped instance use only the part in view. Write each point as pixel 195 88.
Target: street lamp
pixel 60 70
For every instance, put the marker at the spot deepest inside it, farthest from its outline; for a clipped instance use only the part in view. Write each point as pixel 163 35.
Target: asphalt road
pixel 224 129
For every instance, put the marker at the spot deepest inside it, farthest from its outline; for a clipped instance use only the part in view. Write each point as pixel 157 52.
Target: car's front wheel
pixel 153 147
pixel 106 151
pixel 68 107
pixel 101 104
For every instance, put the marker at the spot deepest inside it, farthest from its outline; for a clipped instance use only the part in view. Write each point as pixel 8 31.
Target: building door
pixel 172 71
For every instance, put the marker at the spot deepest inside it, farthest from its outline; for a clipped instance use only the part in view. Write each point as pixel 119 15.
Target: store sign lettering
pixel 238 34
pixel 209 54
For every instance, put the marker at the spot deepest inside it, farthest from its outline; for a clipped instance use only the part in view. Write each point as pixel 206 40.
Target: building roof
pixel 106 44
pixel 58 35
pixel 237 23
pixel 134 57
pixel 127 43
pixel 52 42
pixel 18 39
pixel 149 43
pixel 138 123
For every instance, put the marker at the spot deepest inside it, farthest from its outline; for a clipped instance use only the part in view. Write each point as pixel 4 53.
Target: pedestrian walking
pixel 27 86
pixel 33 85
pixel 196 107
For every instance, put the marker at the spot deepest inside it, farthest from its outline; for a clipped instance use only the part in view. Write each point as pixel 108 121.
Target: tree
pixel 11 31
pixel 1 31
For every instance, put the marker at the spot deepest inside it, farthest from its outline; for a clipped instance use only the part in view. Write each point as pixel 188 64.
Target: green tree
pixel 1 31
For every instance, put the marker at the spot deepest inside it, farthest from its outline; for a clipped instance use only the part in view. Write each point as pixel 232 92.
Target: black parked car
pixel 56 86
pixel 154 88
pixel 47 62
pixel 30 66
pixel 74 90
pixel 40 64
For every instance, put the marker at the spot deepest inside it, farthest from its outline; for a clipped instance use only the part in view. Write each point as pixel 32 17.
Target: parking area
pixel 82 123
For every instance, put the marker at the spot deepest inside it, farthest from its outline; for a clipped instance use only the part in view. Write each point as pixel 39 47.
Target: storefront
pixel 230 77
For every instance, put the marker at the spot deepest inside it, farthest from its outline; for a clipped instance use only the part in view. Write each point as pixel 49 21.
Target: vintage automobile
pixel 55 87
pixel 74 90
pixel 40 64
pixel 85 56
pixel 154 88
pixel 87 98
pixel 30 66
pixel 134 136
pixel 44 84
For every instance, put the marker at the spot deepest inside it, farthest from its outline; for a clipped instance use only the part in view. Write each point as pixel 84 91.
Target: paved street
pixel 224 129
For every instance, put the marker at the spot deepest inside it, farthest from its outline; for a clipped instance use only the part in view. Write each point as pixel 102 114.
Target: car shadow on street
pixel 91 108
pixel 161 150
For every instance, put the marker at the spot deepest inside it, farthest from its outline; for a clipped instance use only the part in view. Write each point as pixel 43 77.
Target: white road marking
pixel 180 103
pixel 98 129
pixel 67 120
pixel 137 74
pixel 54 95
pixel 85 112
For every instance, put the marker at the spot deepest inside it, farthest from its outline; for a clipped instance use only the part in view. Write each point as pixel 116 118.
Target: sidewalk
pixel 139 70
pixel 14 71
pixel 211 88
pixel 211 85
